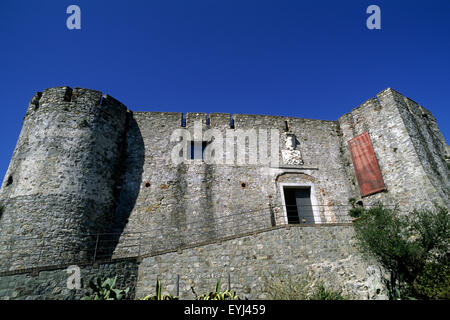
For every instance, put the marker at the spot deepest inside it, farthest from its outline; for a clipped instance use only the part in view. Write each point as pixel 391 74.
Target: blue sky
pixel 311 59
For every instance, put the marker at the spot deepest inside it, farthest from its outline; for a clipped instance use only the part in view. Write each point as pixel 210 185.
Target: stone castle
pixel 94 184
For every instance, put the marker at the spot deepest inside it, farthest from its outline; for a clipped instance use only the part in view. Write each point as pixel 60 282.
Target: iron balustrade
pixel 32 252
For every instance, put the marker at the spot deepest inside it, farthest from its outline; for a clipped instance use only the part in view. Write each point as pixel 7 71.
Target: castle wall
pixel 178 204
pixel 52 284
pixel 429 144
pixel 402 149
pixel 85 165
pixel 60 185
pixel 324 252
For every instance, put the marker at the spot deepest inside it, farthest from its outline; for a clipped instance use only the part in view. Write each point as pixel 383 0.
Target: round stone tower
pixel 61 185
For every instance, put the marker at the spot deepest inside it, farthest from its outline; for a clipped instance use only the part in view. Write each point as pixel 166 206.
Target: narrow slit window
pixel 197 150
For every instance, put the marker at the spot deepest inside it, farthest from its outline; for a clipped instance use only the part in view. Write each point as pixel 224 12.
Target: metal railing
pixel 34 252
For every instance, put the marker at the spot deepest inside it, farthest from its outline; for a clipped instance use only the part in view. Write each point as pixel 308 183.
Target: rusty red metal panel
pixel 366 165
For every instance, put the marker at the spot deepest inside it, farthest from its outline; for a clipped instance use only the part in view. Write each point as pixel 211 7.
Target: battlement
pixel 223 121
pixel 69 99
pixel 385 98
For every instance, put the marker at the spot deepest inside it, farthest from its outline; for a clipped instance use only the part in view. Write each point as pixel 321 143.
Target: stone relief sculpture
pixel 290 154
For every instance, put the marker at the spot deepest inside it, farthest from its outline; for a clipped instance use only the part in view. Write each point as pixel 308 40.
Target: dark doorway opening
pixel 298 205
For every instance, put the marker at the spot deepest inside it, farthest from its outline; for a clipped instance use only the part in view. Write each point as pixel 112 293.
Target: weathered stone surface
pixel 85 165
pixel 63 176
pixel 409 147
pixel 52 285
pixel 326 253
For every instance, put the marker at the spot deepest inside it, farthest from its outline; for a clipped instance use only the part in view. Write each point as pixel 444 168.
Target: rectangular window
pixel 298 205
pixel 196 150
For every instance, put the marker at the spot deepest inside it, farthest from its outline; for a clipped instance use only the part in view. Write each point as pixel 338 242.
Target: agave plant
pixel 219 295
pixel 158 294
pixel 105 290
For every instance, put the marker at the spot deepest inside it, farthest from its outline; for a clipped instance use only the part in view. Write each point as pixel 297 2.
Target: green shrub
pixel 322 293
pixel 356 210
pixel 105 290
pixel 434 282
pixel 407 247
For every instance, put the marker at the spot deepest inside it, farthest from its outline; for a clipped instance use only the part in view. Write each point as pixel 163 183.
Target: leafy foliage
pixel 356 210
pixel 158 294
pixel 408 247
pixel 218 295
pixel 434 281
pixel 105 290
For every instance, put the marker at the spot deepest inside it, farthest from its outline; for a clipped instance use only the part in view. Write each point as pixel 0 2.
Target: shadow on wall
pixel 132 166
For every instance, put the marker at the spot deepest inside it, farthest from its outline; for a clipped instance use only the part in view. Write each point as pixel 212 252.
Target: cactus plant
pixel 218 295
pixel 105 290
pixel 158 294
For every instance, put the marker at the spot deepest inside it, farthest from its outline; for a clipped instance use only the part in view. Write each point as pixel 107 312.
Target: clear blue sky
pixel 311 59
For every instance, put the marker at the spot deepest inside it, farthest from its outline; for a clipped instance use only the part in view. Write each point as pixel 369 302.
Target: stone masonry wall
pixel 177 204
pixel 402 147
pixel 52 284
pixel 325 252
pixel 84 164
pixel 429 144
pixel 61 183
